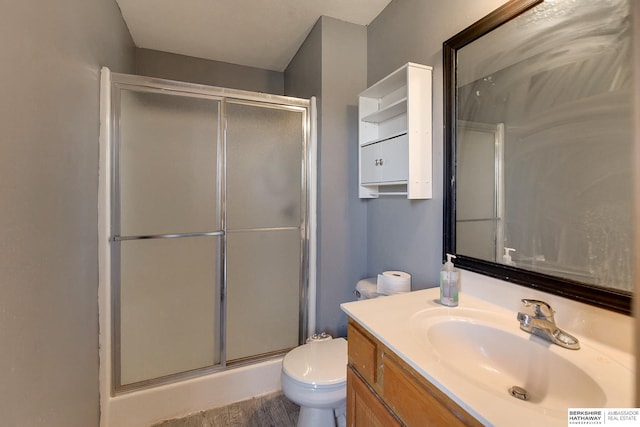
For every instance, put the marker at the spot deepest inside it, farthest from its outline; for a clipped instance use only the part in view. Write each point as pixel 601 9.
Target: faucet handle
pixel 540 308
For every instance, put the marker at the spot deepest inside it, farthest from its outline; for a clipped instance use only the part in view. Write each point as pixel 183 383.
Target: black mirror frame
pixel 618 301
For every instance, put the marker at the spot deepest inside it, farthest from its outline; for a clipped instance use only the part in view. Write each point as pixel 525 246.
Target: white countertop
pixel 392 320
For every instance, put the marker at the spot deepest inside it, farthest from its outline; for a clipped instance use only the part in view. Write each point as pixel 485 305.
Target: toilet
pixel 314 376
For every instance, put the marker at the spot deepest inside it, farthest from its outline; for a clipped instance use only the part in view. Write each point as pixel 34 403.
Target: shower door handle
pixel 118 238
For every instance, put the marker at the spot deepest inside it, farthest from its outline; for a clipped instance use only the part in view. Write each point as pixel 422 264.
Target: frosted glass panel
pixel 477 238
pixel 477 218
pixel 168 306
pixel 168 164
pixel 263 292
pixel 264 166
pixel 477 170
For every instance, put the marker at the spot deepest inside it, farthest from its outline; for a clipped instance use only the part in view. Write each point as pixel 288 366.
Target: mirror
pixel 538 148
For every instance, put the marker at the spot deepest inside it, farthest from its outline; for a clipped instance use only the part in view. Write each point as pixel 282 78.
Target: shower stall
pixel 206 215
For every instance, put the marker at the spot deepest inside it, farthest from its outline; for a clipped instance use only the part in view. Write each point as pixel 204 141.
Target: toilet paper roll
pixel 367 288
pixel 393 282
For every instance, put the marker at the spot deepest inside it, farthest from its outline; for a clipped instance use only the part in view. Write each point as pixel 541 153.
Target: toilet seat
pixel 319 364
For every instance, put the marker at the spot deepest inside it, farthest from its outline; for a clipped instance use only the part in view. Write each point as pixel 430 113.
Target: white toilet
pixel 314 376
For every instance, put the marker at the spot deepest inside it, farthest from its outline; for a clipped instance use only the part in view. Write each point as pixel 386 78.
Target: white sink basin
pixel 476 353
pixel 497 359
pixel 489 351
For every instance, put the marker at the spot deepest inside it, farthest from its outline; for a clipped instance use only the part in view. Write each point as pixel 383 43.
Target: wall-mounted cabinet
pixel 395 135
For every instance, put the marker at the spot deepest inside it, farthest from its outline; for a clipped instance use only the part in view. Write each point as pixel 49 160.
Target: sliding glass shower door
pixel 169 234
pixel 208 230
pixel 265 226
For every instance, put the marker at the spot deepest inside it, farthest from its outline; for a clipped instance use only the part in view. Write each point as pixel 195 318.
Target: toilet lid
pixel 318 363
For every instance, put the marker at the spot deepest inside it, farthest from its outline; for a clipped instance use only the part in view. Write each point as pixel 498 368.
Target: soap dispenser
pixel 506 258
pixel 449 283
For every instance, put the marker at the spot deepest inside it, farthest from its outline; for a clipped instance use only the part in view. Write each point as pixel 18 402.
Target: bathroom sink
pixel 477 355
pixel 489 352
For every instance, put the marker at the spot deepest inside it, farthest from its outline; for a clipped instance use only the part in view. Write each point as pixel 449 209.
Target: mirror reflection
pixel 544 143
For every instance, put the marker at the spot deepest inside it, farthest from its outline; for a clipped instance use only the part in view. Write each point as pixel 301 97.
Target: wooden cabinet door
pixel 363 353
pixel 364 409
pixel 417 402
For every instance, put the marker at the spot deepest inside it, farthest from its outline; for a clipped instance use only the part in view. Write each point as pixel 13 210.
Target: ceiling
pixel 257 33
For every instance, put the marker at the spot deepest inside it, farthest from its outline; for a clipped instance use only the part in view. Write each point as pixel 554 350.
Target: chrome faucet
pixel 539 321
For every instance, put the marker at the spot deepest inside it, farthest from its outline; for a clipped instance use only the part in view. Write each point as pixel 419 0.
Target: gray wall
pixel 51 54
pixel 303 75
pixel 338 50
pixel 171 66
pixel 402 234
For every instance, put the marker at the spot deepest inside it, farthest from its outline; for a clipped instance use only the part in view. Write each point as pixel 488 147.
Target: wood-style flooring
pixel 271 410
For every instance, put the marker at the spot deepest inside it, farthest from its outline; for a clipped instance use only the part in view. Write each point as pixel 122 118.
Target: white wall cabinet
pixel 395 135
pixel 385 162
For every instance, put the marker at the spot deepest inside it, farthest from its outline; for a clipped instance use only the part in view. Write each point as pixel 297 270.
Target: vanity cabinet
pixel 394 135
pixel 364 407
pixel 383 390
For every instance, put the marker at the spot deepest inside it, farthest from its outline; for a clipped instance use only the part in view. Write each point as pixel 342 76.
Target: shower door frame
pixel 109 244
pixel 498 219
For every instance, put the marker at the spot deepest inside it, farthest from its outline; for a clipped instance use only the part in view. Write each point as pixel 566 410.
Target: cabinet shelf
pixel 395 135
pixel 386 113
pixel 374 141
pixel 392 193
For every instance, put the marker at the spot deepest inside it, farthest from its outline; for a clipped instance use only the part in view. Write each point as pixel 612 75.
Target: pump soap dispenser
pixel 449 283
pixel 506 258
